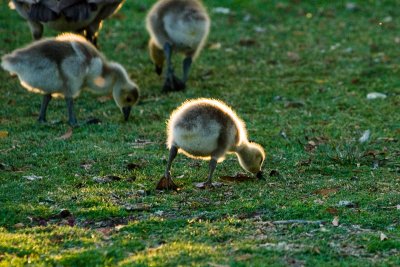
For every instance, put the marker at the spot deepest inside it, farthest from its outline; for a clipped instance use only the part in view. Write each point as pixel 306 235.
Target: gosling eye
pixel 128 99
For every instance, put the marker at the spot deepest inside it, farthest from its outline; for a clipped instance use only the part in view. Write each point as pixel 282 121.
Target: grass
pixel 297 72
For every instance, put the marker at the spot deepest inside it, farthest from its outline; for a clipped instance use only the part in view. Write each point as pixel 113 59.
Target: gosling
pixel 81 16
pixel 176 25
pixel 208 129
pixel 62 66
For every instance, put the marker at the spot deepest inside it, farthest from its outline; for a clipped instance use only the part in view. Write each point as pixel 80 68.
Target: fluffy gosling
pixel 81 16
pixel 208 129
pixel 62 66
pixel 176 25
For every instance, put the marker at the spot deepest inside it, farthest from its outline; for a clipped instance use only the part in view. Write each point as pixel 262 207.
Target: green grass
pixel 337 56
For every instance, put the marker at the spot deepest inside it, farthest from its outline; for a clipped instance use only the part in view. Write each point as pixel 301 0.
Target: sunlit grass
pixel 173 254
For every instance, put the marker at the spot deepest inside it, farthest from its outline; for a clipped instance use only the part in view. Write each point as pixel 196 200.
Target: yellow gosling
pixel 208 129
pixel 63 66
pixel 176 26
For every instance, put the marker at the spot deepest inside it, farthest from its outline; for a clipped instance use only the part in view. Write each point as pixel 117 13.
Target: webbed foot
pixel 42 120
pixel 73 123
pixel 166 183
pixel 173 83
pixel 208 185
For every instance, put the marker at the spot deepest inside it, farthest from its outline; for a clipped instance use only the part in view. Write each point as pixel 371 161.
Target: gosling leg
pixel 43 108
pixel 168 84
pixel 172 83
pixel 211 168
pixel 71 115
pixel 166 181
pixel 187 62
pixel 172 155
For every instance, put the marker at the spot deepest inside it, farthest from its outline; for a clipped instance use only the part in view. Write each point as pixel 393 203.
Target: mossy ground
pixel 297 72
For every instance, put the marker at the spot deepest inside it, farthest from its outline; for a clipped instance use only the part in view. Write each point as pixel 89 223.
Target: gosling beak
pixel 158 69
pixel 126 111
pixel 259 175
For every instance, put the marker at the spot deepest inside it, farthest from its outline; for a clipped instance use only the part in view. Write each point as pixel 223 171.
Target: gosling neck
pixel 242 149
pixel 118 72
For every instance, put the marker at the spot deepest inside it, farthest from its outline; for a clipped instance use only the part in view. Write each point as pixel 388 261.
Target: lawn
pixel 297 72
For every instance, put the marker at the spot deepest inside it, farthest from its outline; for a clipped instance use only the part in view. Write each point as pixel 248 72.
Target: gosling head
pixel 126 98
pixel 125 91
pixel 251 157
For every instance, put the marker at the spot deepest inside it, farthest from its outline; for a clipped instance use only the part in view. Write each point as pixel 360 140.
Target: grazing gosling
pixel 208 129
pixel 179 25
pixel 62 66
pixel 81 16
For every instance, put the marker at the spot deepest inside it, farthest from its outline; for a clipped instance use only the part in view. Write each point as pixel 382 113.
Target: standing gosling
pixel 62 66
pixel 208 129
pixel 179 25
pixel 81 16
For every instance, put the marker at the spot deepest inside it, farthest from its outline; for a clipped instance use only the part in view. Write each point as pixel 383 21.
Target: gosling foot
pixel 42 120
pixel 207 185
pixel 166 183
pixel 173 83
pixel 73 123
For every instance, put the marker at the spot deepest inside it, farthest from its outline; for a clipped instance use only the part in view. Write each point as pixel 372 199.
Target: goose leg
pixel 92 32
pixel 172 83
pixel 91 37
pixel 103 12
pixel 166 182
pixel 36 29
pixel 43 108
pixel 34 25
pixel 71 115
